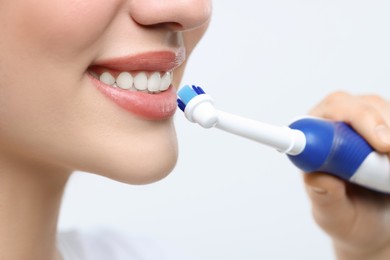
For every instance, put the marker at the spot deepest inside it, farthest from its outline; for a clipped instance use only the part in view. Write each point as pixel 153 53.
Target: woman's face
pixel 86 84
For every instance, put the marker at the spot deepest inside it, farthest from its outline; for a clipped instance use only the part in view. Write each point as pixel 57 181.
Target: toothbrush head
pixel 197 106
pixel 186 94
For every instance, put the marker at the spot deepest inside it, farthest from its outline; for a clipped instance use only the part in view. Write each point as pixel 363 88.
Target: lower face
pixel 57 107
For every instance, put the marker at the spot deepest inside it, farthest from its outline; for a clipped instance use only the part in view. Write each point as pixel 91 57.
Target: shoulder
pixel 106 244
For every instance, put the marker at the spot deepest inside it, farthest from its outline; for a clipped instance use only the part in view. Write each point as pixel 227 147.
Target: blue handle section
pixel 331 147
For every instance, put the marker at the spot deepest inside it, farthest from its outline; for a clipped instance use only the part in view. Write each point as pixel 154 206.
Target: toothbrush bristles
pixel 186 94
pixel 181 104
pixel 198 90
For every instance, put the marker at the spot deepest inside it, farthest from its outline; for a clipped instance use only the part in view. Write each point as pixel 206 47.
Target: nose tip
pixel 195 14
pixel 180 15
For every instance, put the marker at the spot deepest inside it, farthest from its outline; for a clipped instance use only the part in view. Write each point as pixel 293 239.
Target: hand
pixel 357 219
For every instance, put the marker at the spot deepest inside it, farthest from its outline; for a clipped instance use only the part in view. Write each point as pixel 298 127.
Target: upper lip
pixel 147 61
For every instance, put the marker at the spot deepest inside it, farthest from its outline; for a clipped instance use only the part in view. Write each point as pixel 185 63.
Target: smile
pixel 150 82
pixel 140 84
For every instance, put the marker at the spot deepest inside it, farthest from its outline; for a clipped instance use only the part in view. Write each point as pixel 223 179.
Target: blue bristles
pixel 181 105
pixel 186 94
pixel 198 90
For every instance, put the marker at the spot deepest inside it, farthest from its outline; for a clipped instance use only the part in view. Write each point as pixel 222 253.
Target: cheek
pixel 45 48
pixel 42 46
pixel 61 25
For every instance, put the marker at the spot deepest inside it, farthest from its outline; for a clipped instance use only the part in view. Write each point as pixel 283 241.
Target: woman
pixel 90 86
pixel 86 85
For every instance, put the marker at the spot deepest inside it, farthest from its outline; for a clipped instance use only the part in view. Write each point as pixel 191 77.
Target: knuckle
pixel 334 100
pixel 333 104
pixel 365 112
pixel 336 97
pixel 375 100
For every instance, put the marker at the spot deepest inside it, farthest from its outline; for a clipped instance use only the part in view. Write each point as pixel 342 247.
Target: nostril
pixel 174 26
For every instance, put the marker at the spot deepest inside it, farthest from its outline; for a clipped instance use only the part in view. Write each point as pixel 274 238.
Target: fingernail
pixel 318 190
pixel 383 133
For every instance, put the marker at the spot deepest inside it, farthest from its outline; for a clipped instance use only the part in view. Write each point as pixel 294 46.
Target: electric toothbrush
pixel 312 144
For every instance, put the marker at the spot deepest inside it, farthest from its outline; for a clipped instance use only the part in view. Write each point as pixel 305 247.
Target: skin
pixel 356 219
pixel 54 121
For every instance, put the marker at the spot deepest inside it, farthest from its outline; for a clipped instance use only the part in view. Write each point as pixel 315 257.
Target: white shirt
pixel 110 245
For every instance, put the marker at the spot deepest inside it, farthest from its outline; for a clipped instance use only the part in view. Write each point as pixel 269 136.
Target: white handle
pixel 374 172
pixel 283 139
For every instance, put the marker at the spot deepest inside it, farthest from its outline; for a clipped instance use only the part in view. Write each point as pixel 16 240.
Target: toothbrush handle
pixel 335 148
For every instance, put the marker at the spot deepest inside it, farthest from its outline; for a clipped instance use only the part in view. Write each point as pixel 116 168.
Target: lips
pixel 136 98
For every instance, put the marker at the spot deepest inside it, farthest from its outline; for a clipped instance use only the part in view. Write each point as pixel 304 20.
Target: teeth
pixel 107 78
pixel 141 81
pixel 156 81
pixel 124 80
pixel 166 81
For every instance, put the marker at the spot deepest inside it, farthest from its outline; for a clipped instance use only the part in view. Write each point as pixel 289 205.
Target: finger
pixel 380 104
pixel 331 207
pixel 365 118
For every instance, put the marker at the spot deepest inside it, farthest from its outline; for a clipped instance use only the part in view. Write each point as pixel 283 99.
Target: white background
pixel 229 198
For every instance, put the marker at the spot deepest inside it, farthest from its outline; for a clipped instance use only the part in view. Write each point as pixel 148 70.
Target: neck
pixel 30 198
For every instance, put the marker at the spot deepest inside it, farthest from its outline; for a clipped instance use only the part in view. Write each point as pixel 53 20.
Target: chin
pixel 144 172
pixel 141 158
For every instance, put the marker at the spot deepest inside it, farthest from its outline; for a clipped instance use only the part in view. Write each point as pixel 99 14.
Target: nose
pixel 180 15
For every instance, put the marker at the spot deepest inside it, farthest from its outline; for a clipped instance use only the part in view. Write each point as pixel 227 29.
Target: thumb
pixel 332 209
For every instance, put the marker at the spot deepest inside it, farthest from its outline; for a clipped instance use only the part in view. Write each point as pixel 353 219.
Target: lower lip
pixel 157 106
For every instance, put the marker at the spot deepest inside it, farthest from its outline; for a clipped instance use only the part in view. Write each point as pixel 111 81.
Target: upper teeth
pixel 155 82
